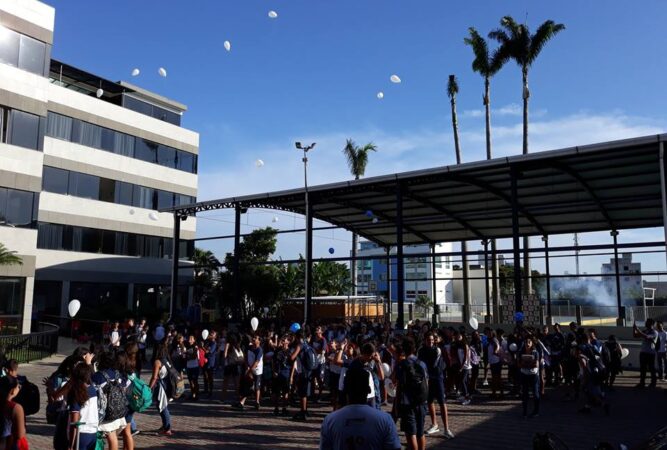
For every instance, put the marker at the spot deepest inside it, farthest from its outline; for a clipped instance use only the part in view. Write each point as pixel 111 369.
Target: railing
pixel 30 347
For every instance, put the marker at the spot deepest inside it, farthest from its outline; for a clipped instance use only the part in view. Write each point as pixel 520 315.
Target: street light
pixel 306 149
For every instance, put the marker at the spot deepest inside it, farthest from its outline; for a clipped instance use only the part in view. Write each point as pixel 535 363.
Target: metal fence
pixel 30 347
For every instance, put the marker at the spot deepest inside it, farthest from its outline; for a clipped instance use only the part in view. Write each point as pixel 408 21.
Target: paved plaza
pixel 498 424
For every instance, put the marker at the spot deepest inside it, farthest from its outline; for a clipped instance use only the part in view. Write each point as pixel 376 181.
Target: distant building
pixel 630 277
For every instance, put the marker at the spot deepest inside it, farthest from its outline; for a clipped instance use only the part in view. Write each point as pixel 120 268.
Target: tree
pixel 330 278
pixel 9 258
pixel 424 302
pixel 487 65
pixel 206 267
pixel 357 159
pixel 518 44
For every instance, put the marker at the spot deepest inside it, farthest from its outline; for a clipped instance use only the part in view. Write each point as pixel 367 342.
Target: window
pixel 84 185
pixel 107 190
pixel 107 140
pixel 55 180
pixel 11 292
pixel 59 126
pixel 90 135
pixel 145 150
pixel 184 161
pixel 165 199
pixel 123 193
pixel 32 54
pixel 24 130
pixel 9 46
pixel 50 236
pixel 124 145
pixel 18 208
pixel 166 156
pixel 144 197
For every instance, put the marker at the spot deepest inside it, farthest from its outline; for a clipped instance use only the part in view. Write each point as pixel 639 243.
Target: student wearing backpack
pixel 191 356
pixel 253 373
pixel 210 349
pixel 159 387
pixel 12 417
pixel 233 356
pixel 302 356
pixel 82 401
pixel 125 369
pixel 431 355
pixel 411 395
pixel 111 387
pixel 464 356
pixel 647 352
pixel 529 374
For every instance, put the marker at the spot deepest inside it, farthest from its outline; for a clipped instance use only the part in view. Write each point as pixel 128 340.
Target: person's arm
pixel 325 440
pixel 74 417
pixel 378 366
pixel 226 350
pixel 295 353
pixel 258 356
pixel 338 358
pixel 18 422
pixel 157 365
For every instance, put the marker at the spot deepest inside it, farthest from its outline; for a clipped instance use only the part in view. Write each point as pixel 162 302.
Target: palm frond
pixel 350 152
pixel 452 86
pixel 9 258
pixel 481 51
pixel 544 33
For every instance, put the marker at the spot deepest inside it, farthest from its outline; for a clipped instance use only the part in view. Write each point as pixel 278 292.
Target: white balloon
pixel 380 95
pixel 273 14
pixel 254 323
pixel 473 323
pixel 624 353
pixel 275 219
pixel 227 45
pixel 135 72
pixel 99 92
pixel 204 334
pixel 259 163
pixel 386 370
pixel 153 216
pixel 375 220
pixel 390 388
pixel 73 307
pixel 395 79
pixel 162 71
pixel 513 347
pixel 131 211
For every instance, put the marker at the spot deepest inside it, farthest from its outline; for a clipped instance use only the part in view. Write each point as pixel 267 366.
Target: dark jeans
pixel 530 383
pixel 465 380
pixel 647 362
pixel 662 365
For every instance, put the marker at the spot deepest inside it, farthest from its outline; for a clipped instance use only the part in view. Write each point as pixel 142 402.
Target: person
pixel 302 375
pixel 125 368
pixel 142 341
pixel 464 356
pixel 282 367
pixel 494 351
pixel 357 426
pixel 82 401
pixel 615 354
pixel 191 356
pixel 12 417
pixel 159 334
pixel 114 338
pixel 319 344
pixel 211 351
pixel 411 410
pixel 159 387
pixel 590 376
pixel 556 342
pixel 369 360
pixel 528 363
pixel 661 357
pixel 431 355
pixel 233 356
pixel 107 373
pixel 253 375
pixel 647 352
pixel 335 355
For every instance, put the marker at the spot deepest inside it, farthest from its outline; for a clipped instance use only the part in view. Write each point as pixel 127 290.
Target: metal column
pixel 308 287
pixel 434 286
pixel 495 290
pixel 485 243
pixel 663 189
pixel 237 262
pixel 400 279
pixel 620 320
pixel 466 282
pixel 176 247
pixel 518 300
pixel 388 263
pixel 545 239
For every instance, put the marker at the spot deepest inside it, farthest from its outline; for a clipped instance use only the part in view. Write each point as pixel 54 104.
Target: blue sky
pixel 313 74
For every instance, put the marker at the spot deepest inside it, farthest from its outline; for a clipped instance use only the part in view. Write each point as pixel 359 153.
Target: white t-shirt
pixel 115 338
pixel 256 353
pixel 359 427
pixel 465 358
pixel 493 357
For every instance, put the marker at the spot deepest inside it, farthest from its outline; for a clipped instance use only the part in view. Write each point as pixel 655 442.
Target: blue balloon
pixel 331 250
pixel 518 316
pixel 369 213
pixel 485 340
pixel 294 327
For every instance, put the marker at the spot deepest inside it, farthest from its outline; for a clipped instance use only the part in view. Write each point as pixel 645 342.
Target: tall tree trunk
pixel 487 107
pixel 353 264
pixel 455 126
pixel 528 285
pixel 495 283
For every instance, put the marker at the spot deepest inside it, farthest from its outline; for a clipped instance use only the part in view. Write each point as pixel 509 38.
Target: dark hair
pixel 79 383
pixel 12 365
pixel 356 384
pixel 107 360
pixel 80 351
pixel 7 384
pixel 162 351
pixel 66 366
pixel 367 349
pixel 123 363
pixel 408 346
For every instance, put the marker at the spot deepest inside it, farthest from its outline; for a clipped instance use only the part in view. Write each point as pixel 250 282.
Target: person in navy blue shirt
pixel 211 348
pixel 82 401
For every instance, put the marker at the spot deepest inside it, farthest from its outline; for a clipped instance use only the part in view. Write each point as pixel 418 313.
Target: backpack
pixel 111 400
pixel 413 383
pixel 201 355
pixel 175 383
pixel 474 357
pixel 28 397
pixel 139 394
pixel 309 358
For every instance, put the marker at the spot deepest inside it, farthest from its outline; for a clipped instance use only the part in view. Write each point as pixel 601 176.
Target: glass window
pixel 121 245
pixel 152 246
pixel 185 161
pixel 19 208
pixel 165 199
pixel 84 185
pixel 108 246
pixel 91 135
pixel 166 156
pixel 145 150
pixel 50 236
pixel 55 180
pixel 24 129
pixel 59 126
pixel 9 46
pixel 137 105
pixel 91 240
pixel 124 144
pixel 107 139
pixel 144 197
pixel 107 190
pixel 31 55
pixel 123 193
pixel 11 292
pixel 3 206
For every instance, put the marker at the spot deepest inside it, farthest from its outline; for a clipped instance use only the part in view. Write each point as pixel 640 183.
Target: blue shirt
pixel 211 353
pixel 359 427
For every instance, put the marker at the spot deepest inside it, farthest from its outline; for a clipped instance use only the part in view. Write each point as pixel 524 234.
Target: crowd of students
pixel 95 392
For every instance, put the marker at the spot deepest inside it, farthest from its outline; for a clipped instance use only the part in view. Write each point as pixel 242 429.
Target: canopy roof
pixel 608 186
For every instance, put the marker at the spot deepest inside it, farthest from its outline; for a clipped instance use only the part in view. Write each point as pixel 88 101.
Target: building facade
pixel 84 165
pixel 630 277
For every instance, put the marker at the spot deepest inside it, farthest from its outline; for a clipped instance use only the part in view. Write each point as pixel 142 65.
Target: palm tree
pixel 9 258
pixel 487 65
pixel 206 269
pixel 518 44
pixel 452 90
pixel 357 159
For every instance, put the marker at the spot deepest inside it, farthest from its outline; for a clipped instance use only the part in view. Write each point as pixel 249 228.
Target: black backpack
pixel 414 383
pixel 175 383
pixel 28 397
pixel 116 398
pixel 309 358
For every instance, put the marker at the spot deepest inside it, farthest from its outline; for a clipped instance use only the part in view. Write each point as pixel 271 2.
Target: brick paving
pixel 487 424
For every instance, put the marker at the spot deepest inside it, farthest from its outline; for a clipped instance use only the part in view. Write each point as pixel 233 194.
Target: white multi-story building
pixel 630 277
pixel 84 165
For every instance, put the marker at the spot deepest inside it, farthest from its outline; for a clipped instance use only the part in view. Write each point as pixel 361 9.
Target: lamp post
pixel 306 283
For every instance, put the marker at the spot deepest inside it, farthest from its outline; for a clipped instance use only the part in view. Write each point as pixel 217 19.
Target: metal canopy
pixel 608 186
